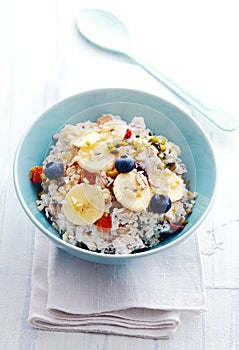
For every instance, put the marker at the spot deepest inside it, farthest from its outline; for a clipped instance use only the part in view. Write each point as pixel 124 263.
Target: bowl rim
pixel 88 253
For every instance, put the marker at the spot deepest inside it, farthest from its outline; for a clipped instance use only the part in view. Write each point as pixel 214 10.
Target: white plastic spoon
pixel 105 30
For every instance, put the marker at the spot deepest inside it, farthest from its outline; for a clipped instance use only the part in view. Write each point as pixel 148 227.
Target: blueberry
pixel 160 203
pixel 53 170
pixel 124 164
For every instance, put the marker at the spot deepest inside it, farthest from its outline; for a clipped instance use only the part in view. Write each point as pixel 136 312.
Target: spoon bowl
pixel 105 30
pixel 112 34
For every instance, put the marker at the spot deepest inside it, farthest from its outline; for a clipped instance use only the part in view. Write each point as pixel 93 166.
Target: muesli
pixel 113 187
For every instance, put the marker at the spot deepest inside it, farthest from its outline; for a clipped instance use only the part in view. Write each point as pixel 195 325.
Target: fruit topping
pixel 160 203
pixel 95 158
pixel 90 140
pixel 104 224
pixel 36 173
pixel 104 118
pixel 87 176
pixel 53 170
pixel 112 173
pixel 124 164
pixel 132 191
pixel 84 204
pixel 128 134
pixel 171 184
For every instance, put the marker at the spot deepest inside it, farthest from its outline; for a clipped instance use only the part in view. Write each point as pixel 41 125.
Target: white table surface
pixel 196 42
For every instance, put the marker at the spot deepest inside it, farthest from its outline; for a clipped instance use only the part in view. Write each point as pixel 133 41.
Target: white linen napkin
pixel 142 299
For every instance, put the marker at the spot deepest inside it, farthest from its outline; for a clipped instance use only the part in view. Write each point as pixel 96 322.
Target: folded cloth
pixel 142 299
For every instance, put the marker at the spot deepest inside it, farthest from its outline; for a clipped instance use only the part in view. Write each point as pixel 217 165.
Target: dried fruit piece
pixel 104 118
pixel 104 224
pixel 36 173
pixel 112 173
pixel 128 134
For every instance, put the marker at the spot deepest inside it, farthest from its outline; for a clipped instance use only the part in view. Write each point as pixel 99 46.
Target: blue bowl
pixel 160 116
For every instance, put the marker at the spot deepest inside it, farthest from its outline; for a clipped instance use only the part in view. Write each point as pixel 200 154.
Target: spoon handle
pixel 212 112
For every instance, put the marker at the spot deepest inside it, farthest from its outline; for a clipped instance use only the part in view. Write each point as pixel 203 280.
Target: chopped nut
pixel 65 236
pixel 153 139
pixel 163 141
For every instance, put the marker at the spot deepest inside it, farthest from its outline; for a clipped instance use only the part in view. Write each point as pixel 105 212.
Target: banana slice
pixel 95 159
pixel 114 130
pixel 171 184
pixel 132 191
pixel 84 204
pixel 88 141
